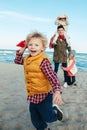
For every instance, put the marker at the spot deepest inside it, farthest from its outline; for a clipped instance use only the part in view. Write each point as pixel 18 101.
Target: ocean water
pixel 9 55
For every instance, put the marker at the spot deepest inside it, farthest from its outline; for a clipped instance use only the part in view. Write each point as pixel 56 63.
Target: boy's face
pixel 35 46
pixel 61 31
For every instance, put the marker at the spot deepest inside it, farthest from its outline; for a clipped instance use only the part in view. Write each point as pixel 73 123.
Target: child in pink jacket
pixel 71 68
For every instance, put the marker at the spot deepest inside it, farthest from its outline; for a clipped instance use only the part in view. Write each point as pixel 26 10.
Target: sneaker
pixel 65 85
pixel 59 112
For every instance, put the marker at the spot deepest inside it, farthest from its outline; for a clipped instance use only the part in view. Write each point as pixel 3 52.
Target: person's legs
pixel 36 118
pixel 65 72
pixel 65 76
pixel 73 79
pixel 56 66
pixel 44 112
pixel 47 111
pixel 69 80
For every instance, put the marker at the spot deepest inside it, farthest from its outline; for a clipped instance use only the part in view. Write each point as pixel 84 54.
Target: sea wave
pixel 9 55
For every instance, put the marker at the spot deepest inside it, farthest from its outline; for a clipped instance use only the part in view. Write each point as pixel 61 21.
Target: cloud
pixel 16 15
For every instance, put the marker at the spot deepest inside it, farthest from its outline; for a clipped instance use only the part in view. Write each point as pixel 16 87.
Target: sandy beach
pixel 14 107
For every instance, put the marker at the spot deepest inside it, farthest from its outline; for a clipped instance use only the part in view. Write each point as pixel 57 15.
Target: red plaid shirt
pixel 49 73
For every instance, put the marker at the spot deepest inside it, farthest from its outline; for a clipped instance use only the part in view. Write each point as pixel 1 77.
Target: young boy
pixel 42 84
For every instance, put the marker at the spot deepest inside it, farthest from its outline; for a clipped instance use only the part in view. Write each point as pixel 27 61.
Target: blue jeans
pixel 71 80
pixel 42 113
pixel 56 67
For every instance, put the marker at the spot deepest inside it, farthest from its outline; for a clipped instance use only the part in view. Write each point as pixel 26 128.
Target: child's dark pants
pixel 71 80
pixel 42 113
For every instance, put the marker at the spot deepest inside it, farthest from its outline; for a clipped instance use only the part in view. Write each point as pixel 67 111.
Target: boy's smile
pixel 35 46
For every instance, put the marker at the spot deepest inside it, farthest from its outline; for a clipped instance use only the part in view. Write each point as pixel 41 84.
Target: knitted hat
pixel 72 52
pixel 63 16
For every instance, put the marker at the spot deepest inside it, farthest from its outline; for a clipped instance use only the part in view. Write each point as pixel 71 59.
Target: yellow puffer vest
pixel 36 81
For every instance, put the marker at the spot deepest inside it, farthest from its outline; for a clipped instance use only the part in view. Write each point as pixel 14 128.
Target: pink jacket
pixel 71 68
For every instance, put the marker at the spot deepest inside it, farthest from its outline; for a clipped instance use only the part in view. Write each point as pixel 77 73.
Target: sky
pixel 18 18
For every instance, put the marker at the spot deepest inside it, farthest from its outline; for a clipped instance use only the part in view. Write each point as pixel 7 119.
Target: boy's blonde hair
pixel 39 36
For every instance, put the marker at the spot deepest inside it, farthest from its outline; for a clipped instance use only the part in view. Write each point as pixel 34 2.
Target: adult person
pixel 61 47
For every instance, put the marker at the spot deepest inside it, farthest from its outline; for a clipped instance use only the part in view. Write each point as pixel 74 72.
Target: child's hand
pixel 21 50
pixel 57 99
pixel 23 46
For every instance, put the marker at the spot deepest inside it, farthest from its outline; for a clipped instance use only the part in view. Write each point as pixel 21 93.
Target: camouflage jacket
pixel 60 51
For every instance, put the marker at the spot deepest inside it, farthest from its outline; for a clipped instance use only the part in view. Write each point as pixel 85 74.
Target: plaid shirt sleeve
pixel 19 58
pixel 47 69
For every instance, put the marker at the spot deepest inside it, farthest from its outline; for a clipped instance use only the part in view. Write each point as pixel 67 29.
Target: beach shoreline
pixel 14 113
